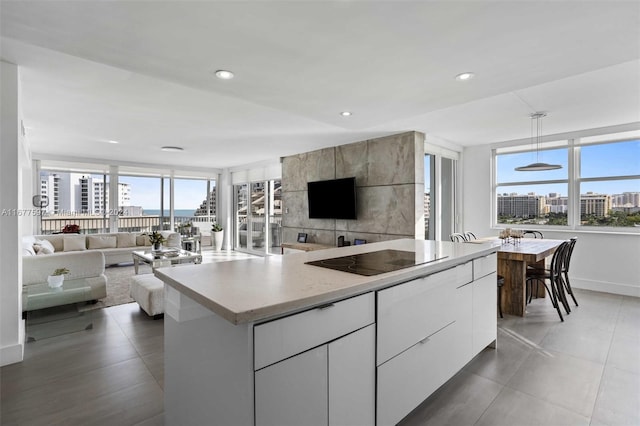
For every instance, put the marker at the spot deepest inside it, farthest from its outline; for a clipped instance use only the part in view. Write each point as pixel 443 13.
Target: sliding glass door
pixel 257 217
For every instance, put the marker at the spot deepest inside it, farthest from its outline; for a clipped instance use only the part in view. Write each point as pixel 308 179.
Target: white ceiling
pixel 141 73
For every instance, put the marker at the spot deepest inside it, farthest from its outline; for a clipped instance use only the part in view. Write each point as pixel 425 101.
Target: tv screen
pixel 332 199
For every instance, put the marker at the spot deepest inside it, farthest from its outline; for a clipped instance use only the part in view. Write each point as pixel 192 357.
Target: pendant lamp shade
pixel 537 166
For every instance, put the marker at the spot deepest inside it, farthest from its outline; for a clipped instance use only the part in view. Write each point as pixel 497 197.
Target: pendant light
pixel 537 166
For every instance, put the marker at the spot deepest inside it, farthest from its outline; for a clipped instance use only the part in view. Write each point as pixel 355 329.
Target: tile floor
pixel 585 371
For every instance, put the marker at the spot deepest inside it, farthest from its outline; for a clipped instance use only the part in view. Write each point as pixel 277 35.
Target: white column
pixel 225 199
pixel 112 208
pixel 11 323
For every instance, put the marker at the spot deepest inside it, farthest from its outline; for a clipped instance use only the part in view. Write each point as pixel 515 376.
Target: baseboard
pixel 11 354
pixel 606 287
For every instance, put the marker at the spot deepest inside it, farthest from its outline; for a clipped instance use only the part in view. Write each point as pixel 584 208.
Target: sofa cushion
pixel 43 247
pixel 57 240
pixel 76 243
pixel 126 239
pixel 142 240
pixel 101 241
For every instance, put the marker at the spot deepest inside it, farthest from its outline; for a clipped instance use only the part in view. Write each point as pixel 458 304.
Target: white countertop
pixel 252 290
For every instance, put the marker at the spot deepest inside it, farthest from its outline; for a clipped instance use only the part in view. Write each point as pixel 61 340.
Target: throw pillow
pixel 142 240
pixel 101 241
pixel 126 239
pixel 46 246
pixel 74 243
pixel 41 250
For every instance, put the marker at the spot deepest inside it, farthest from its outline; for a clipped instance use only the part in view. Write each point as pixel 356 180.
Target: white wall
pixel 601 261
pixel 13 160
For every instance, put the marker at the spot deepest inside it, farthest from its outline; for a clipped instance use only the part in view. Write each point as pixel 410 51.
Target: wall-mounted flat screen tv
pixel 332 199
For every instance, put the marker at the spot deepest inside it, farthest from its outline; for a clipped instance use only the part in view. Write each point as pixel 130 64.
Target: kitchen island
pixel 279 341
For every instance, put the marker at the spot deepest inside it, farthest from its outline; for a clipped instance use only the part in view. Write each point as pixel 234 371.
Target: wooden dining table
pixel 513 259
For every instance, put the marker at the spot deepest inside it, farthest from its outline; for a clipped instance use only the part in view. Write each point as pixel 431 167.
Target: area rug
pixel 118 279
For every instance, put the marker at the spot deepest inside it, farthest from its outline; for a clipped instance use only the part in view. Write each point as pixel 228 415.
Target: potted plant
pixel 218 235
pixel 56 279
pixel 156 239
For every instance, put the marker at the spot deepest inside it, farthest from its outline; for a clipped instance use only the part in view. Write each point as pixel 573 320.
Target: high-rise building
pixel 522 206
pixel 595 204
pixel 75 193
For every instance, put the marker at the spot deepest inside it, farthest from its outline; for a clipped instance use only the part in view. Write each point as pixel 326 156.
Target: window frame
pixel 574 181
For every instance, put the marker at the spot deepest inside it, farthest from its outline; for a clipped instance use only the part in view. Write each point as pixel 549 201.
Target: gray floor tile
pixel 513 408
pixel 618 401
pixel 625 353
pixel 582 341
pixel 560 379
pixel 153 421
pixel 51 400
pixel 501 364
pixel 461 401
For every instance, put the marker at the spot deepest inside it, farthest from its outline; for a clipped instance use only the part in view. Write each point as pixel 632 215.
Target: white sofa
pixel 116 247
pixel 85 268
pixel 84 255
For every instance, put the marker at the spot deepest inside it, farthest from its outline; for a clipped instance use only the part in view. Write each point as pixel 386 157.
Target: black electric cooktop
pixel 375 262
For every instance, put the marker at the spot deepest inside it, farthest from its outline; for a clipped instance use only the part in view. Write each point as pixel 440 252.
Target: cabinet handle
pixel 327 306
pixel 423 341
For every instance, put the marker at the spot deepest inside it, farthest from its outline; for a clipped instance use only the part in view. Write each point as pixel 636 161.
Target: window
pixel 598 184
pixel 610 184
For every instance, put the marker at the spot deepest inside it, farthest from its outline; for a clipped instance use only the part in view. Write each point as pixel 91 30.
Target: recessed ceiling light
pixel 172 148
pixel 224 74
pixel 465 76
pixel 346 113
pixel 113 142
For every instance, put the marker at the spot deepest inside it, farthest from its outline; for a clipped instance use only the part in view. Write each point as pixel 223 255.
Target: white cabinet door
pixel 463 349
pixel 409 378
pixel 484 312
pixel 352 370
pixel 293 392
pixel 409 312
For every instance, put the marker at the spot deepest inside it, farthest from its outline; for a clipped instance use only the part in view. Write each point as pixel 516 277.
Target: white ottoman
pixel 148 291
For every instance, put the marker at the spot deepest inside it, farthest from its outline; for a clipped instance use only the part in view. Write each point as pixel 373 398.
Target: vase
pixel 55 281
pixel 157 246
pixel 218 236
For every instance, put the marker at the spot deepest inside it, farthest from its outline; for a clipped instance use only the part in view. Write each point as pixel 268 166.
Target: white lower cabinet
pixel 294 391
pixel 407 379
pixel 333 384
pixel 352 379
pixel 485 305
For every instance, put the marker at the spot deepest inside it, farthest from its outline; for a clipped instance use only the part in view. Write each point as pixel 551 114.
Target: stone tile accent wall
pixel 389 175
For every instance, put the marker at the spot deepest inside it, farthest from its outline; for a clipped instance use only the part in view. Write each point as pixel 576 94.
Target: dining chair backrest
pixel 470 236
pixel 536 234
pixel 568 253
pixel 557 261
pixel 458 238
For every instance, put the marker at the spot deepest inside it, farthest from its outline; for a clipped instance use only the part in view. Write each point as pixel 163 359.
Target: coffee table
pixel 52 312
pixel 157 259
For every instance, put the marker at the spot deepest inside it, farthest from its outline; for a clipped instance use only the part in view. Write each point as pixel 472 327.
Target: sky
pixel 145 192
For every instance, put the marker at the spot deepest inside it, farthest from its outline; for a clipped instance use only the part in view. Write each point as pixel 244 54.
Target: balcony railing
pixel 91 224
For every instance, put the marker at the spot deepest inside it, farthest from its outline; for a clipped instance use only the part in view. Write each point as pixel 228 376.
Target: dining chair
pixel 470 236
pixel 536 234
pixel 565 268
pixel 500 283
pixel 458 238
pixel 553 274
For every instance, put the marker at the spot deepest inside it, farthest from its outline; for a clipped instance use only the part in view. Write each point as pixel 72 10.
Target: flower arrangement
pixel 216 227
pixel 71 228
